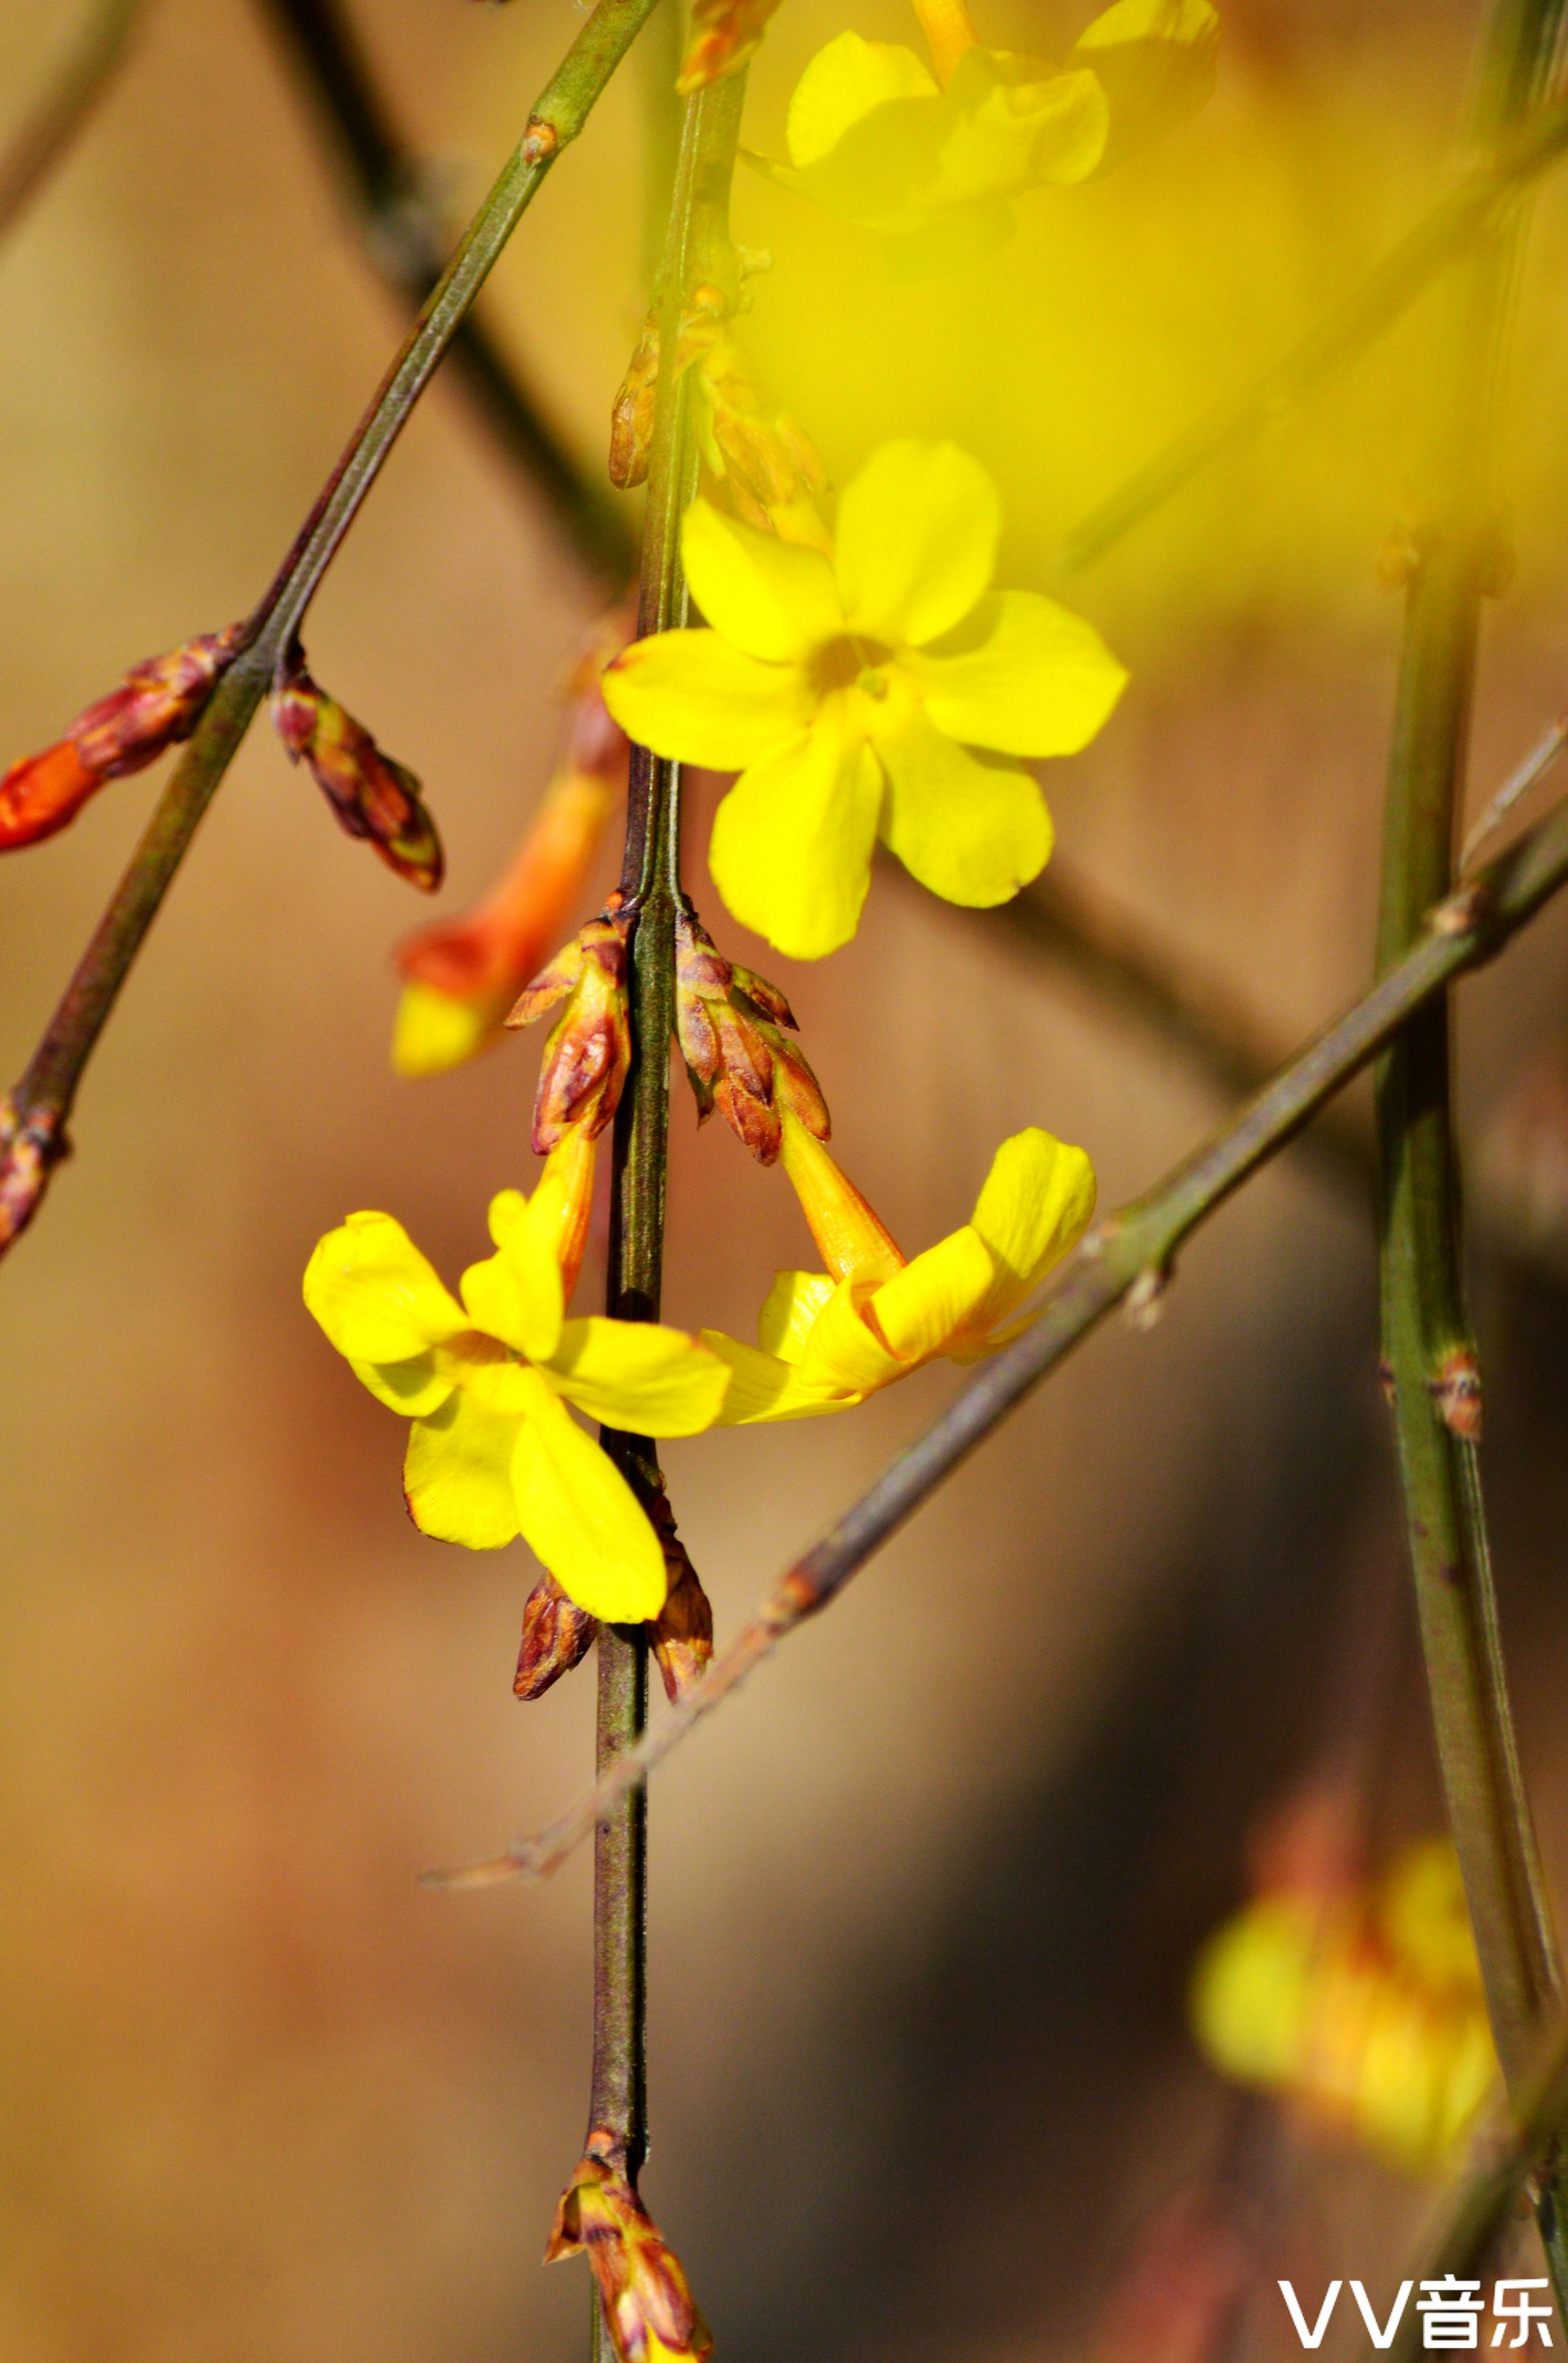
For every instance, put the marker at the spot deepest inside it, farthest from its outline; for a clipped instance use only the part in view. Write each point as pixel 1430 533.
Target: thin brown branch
pixel 51 130
pixel 1132 1246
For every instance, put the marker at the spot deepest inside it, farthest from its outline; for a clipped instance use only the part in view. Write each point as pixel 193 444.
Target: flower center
pixel 847 662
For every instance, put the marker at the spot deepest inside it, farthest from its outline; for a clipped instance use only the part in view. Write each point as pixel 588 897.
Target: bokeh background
pixel 926 1897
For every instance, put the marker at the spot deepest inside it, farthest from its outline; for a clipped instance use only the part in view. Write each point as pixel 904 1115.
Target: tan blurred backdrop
pixel 924 1897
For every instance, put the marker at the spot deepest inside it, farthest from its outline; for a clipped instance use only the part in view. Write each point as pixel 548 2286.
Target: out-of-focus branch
pixel 49 130
pixel 33 1120
pixel 404 238
pixel 1345 332
pixel 1130 1251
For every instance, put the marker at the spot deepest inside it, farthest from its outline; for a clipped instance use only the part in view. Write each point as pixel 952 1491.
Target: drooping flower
pixel 1361 2002
pixel 828 1340
pixel 372 796
pixel 157 705
pixel 462 975
pixel 851 696
pixel 494 1451
pixel 649 2307
pixel 932 157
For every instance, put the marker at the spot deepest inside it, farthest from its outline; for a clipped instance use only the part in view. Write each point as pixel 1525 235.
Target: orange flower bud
pixel 723 36
pixel 632 412
pixel 372 796
pixel 556 1636
pixel 647 2302
pixel 729 1022
pixel 462 975
pixel 589 1054
pixel 157 704
pixel 683 1630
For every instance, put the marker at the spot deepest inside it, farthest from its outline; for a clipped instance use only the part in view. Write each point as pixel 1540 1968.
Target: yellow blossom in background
pixel 932 159
pixel 1362 2004
pixel 494 1451
pixel 851 694
pixel 828 1340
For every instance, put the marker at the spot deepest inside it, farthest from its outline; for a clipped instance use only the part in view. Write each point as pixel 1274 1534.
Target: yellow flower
pixel 1363 2004
pixel 849 695
pixel 932 159
pixel 493 1452
pixel 828 1340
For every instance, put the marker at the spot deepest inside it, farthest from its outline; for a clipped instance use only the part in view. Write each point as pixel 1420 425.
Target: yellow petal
pixel 791 845
pixel 1251 1993
pixel 917 540
pixel 1021 675
pixel 376 1296
pixel 413 1388
pixel 516 1295
pixel 764 1387
pixel 972 830
pixel 933 1297
pixel 1156 61
pixel 639 1377
pixel 776 600
pixel 1036 1203
pixel 844 82
pixel 580 1518
pixel 693 697
pixel 456 1474
pixel 789 1311
pixel 435 1031
pixel 842 1351
pixel 1020 125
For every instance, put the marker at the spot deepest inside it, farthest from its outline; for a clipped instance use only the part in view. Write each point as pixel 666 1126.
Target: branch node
pixel 1145 1299
pixel 1456 1391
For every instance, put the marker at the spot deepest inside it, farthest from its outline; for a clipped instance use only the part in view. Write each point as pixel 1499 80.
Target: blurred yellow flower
pixel 931 159
pixel 828 1340
pixel 850 692
pixel 1363 2004
pixel 493 1452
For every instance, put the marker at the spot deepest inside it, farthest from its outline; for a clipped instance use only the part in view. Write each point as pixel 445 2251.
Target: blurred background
pixel 927 1897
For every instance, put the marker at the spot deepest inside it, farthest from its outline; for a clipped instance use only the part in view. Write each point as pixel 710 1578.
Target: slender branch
pixel 1346 331
pixel 49 131
pixel 405 238
pixel 1429 1351
pixel 1517 784
pixel 1129 1250
pixel 32 1124
pixel 695 249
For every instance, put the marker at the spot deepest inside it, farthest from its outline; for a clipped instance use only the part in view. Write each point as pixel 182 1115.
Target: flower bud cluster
pixel 730 1025
pixel 589 1054
pixel 157 704
pixel 373 797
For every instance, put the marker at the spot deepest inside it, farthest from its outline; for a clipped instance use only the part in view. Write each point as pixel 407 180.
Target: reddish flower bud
pixel 647 2302
pixel 372 796
pixel 589 1054
pixel 683 1630
pixel 771 467
pixel 157 704
pixel 723 35
pixel 557 1635
pixel 30 1152
pixel 632 412
pixel 729 1022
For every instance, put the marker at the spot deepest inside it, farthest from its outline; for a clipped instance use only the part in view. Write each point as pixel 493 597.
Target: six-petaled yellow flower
pixel 851 695
pixel 494 1451
pixel 828 1340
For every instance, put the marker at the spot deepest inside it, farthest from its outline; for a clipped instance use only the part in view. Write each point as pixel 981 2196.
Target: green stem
pixel 402 237
pixel 1347 330
pixel 1130 1251
pixel 49 132
pixel 1428 1349
pixel 36 1115
pixel 695 249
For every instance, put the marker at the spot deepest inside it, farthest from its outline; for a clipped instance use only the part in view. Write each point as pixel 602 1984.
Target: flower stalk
pixel 1428 1353
pixel 696 251
pixel 49 132
pixel 39 1108
pixel 1118 1257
